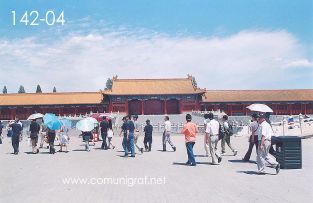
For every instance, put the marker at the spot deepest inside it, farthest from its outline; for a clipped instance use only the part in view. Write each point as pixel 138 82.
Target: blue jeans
pixel 131 143
pixel 191 156
pixel 104 141
pixel 125 145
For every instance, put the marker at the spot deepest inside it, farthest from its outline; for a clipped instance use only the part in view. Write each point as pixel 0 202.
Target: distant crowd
pixel 130 130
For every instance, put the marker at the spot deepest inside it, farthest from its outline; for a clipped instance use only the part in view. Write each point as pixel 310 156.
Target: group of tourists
pixel 215 131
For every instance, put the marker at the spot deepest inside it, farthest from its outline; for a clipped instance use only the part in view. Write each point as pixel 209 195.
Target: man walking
pixel 104 125
pixel 34 129
pixel 264 139
pixel 228 132
pixel 190 131
pixel 167 134
pixel 212 131
pixel 16 137
pixel 137 133
pixel 148 135
pixel 130 135
pixel 253 140
pixel 124 132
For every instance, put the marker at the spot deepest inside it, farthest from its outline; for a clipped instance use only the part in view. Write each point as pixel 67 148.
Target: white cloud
pixel 249 59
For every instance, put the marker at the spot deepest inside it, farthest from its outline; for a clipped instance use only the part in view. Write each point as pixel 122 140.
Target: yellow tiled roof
pixel 50 98
pixel 152 87
pixel 258 95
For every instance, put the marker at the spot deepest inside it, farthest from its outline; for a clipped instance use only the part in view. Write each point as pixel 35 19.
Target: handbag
pixel 110 133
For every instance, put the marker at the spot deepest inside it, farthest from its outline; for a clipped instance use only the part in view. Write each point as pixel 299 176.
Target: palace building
pixel 154 97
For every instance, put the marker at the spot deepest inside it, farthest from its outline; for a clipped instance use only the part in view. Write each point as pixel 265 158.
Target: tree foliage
pixel 38 89
pixel 5 90
pixel 109 84
pixel 21 90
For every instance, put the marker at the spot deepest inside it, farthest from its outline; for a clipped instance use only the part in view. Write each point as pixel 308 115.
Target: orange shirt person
pixel 190 131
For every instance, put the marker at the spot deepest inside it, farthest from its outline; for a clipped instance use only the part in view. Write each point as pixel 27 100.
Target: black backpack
pixel 230 130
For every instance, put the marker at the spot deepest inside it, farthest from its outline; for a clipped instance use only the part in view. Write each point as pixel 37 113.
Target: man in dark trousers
pixel 51 138
pixel 34 129
pixel 148 135
pixel 130 135
pixel 104 125
pixel 17 131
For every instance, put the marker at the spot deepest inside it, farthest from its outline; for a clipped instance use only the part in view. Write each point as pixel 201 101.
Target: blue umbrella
pixel 66 123
pixel 51 121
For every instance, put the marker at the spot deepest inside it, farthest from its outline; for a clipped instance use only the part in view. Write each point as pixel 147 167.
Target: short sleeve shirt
pixel 168 126
pixel 130 126
pixel 212 127
pixel 265 130
pixel 254 127
pixel 16 128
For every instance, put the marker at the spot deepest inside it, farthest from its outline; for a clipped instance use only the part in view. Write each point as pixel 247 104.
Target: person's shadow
pixel 241 161
pixel 254 173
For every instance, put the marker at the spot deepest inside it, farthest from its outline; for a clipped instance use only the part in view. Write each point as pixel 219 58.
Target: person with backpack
pixel 228 132
pixel 212 131
pixel 34 129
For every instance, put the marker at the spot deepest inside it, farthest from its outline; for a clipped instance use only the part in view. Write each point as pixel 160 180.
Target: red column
pixel 230 113
pixel 142 107
pixel 12 113
pixel 110 108
pixel 126 107
pixel 290 108
pixel 165 107
pixel 181 106
pixel 304 108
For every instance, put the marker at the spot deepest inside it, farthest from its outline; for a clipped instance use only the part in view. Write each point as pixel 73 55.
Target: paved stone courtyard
pixel 40 178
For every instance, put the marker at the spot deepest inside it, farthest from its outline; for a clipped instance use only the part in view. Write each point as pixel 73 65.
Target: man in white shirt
pixel 212 130
pixel 167 134
pixel 264 139
pixel 137 133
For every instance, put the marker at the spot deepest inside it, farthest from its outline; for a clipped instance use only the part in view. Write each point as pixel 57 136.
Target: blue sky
pixel 176 26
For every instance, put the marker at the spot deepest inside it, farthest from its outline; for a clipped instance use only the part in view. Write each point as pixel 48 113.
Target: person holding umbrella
pixel 86 137
pixel 34 129
pixel 86 126
pixel 264 139
pixel 52 123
